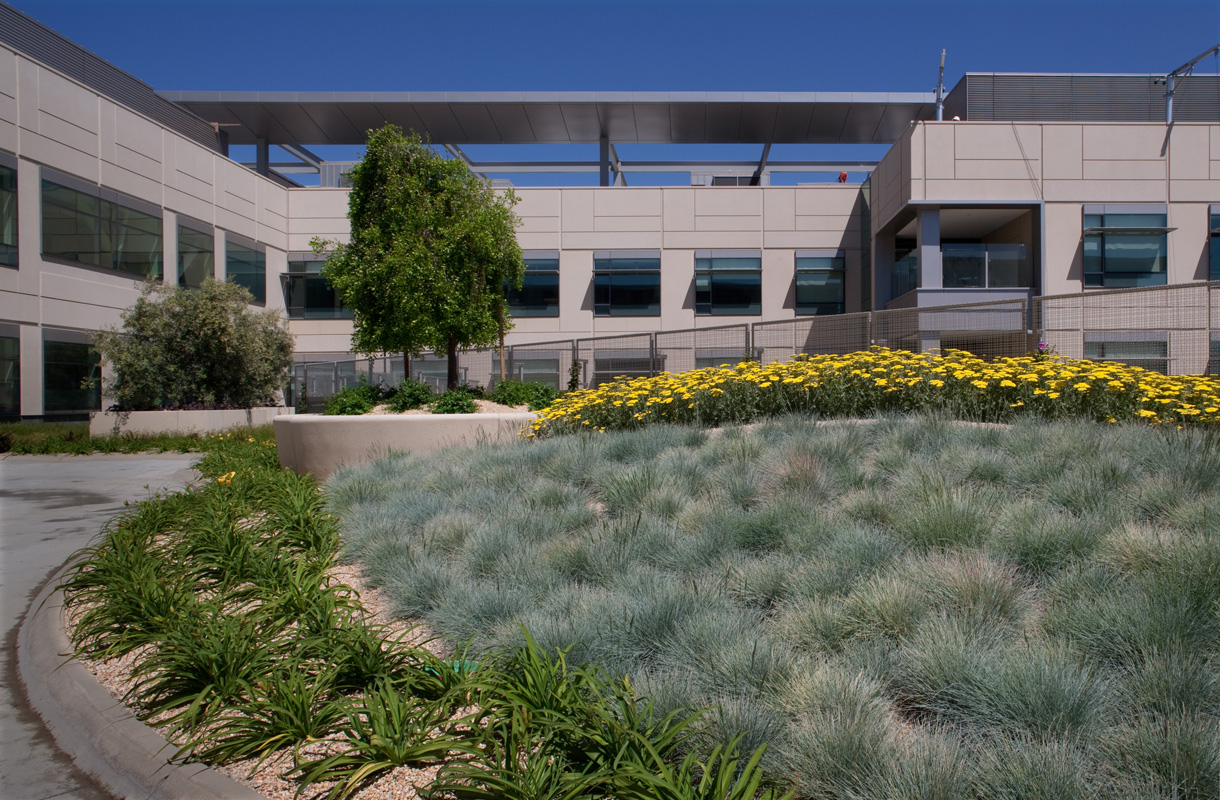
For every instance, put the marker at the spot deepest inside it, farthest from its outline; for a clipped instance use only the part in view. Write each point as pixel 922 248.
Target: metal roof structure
pixel 463 118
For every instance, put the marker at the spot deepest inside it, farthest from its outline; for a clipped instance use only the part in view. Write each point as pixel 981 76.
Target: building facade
pixel 106 183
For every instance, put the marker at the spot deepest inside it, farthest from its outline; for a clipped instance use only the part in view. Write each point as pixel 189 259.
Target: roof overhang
pixel 460 118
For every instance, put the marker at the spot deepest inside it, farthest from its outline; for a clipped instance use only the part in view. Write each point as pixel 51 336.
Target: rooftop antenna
pixel 940 88
pixel 1181 72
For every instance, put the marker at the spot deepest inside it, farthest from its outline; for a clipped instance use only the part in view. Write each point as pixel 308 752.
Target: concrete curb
pixel 104 739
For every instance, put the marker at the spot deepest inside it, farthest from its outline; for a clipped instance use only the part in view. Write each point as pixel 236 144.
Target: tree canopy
pixel 432 248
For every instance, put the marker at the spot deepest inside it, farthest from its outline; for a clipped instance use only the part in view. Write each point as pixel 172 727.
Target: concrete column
pixel 31 371
pixel 927 227
pixel 169 248
pixel 883 269
pixel 218 263
pixel 603 162
pixel 262 158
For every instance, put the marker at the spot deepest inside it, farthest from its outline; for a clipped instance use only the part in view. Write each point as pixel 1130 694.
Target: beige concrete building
pixel 106 183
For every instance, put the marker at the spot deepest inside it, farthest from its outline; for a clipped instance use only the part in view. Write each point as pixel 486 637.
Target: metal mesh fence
pixel 988 330
pixel 543 362
pixel 1163 328
pixel 604 358
pixel 836 334
pixel 695 348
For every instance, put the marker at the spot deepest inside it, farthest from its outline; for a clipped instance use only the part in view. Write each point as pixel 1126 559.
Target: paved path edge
pixel 105 740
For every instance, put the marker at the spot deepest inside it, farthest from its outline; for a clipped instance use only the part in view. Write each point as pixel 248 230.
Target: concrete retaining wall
pixel 103 423
pixel 320 444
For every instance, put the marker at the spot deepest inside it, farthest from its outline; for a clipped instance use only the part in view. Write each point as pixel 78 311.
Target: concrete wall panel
pixel 1064 147
pixel 1118 142
pixel 679 208
pixel 8 100
pixel 729 202
pixel 577 210
pixel 607 240
pixel 939 151
pixel 779 209
pixel 622 202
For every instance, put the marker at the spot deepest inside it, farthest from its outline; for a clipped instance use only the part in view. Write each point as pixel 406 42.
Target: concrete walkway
pixel 51 506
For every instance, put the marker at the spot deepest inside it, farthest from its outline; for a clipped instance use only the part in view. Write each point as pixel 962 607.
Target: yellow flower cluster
pixel 879 380
pixel 226 479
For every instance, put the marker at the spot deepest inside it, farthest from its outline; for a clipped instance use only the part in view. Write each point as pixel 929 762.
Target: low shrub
pixel 520 393
pixel 409 394
pixel 350 401
pixel 51 438
pixel 196 348
pixel 878 381
pixel 454 401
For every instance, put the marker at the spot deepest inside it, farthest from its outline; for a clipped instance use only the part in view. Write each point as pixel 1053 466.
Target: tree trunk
pixel 453 364
pixel 503 375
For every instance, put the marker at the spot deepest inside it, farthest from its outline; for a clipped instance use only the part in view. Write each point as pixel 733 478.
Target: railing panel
pixel 695 348
pixel 605 358
pixel 833 333
pixel 1163 328
pixel 989 330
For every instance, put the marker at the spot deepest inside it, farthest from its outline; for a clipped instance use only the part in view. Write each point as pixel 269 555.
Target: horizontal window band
pixel 1129 231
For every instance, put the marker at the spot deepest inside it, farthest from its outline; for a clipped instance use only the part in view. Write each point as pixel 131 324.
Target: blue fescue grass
pixel 901 608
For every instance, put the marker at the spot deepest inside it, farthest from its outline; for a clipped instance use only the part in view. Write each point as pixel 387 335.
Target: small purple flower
pixel 1043 347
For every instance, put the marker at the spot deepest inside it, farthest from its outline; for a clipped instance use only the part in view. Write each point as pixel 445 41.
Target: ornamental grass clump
pixel 896 608
pixel 881 381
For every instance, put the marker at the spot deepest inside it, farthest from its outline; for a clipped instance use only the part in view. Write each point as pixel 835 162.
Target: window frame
pixel 195 227
pixel 10 371
pixel 1213 219
pixel 1096 228
pixel 111 222
pixel 837 264
pixel 10 251
pixel 236 241
pixel 75 339
pixel 707 271
pixel 604 274
pixel 312 272
pixel 540 268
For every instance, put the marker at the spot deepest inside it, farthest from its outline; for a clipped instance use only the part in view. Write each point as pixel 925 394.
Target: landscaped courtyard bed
pixel 923 605
pixel 902 607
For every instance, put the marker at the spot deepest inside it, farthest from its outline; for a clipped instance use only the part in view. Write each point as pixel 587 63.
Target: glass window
pixel 82 227
pixel 1125 250
pixel 1151 355
pixel 10 376
pixel 1215 248
pixel 991 266
pixel 539 292
pixel 66 365
pixel 196 258
pixel 627 286
pixel 819 285
pixel 964 265
pixel 904 276
pixel 728 285
pixel 8 216
pixel 308 295
pixel 247 267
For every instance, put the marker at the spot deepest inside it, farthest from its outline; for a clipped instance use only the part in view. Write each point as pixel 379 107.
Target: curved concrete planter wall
pixel 106 422
pixel 320 444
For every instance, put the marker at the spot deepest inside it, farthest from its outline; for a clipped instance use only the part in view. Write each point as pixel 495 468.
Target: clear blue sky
pixel 759 45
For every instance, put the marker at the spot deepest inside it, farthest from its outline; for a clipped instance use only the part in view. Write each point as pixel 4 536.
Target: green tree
pixel 195 348
pixel 432 248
